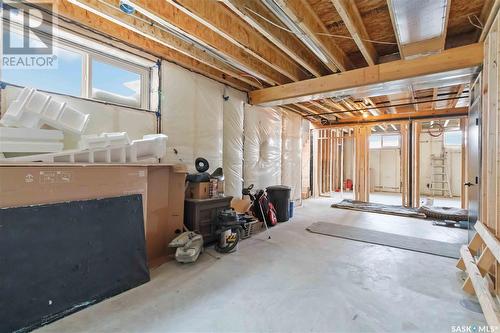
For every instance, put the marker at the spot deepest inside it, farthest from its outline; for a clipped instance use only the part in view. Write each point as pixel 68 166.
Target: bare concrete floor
pixel 389 198
pixel 297 282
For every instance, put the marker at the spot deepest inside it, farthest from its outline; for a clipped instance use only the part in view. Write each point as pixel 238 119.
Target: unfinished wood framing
pixel 482 256
pixel 452 59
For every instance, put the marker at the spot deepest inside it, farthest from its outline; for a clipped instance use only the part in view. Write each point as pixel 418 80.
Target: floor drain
pixel 471 305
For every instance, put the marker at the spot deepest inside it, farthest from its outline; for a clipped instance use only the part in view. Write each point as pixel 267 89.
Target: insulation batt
pixel 233 142
pixel 291 153
pixel 262 146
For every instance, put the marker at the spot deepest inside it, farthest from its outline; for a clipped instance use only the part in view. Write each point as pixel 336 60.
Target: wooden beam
pixel 226 24
pixel 481 288
pixel 490 17
pixel 304 16
pixel 393 21
pixel 404 114
pixel 187 57
pixel 349 13
pixel 423 47
pixel 452 59
pixel 284 40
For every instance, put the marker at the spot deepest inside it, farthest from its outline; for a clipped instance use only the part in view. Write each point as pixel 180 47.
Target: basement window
pixel 384 141
pixel 87 68
pixel 375 141
pixel 390 141
pixel 115 84
pixel 452 139
pixel 65 79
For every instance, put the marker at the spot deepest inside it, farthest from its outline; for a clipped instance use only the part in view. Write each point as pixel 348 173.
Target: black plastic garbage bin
pixel 279 195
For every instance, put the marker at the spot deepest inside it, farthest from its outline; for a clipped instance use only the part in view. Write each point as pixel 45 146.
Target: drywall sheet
pixel 233 142
pixel 291 167
pixel 191 107
pixel 68 256
pixel 103 118
pixel 262 146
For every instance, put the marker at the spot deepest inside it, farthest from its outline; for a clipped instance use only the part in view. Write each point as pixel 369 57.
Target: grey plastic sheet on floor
pixel 379 208
pixel 438 248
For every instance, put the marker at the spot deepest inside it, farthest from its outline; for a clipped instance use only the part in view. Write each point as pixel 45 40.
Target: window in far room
pixel 452 139
pixel 384 141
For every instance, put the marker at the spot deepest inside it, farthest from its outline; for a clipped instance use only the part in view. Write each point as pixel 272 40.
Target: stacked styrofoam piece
pixel 29 140
pixel 33 109
pixel 148 149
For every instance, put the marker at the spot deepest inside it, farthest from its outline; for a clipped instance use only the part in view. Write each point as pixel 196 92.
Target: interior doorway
pixel 334 159
pixel 441 158
pixel 385 167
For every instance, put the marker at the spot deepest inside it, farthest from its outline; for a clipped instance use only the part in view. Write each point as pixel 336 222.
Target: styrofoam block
pixel 146 150
pixel 29 140
pixel 30 134
pixel 32 109
pixel 15 109
pixel 151 146
pixel 69 119
pixel 104 140
pixel 30 146
pixel 118 155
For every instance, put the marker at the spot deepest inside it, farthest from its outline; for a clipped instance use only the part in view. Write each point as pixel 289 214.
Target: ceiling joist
pixel 169 49
pixel 352 19
pixel 283 40
pixel 301 13
pixel 224 23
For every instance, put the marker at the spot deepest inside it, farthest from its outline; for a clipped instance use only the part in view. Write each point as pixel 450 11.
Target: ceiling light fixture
pixel 292 25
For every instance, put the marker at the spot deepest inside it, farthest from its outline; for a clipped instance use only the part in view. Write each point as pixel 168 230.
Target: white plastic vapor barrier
pixel 262 146
pixel 191 117
pixel 291 167
pixel 233 142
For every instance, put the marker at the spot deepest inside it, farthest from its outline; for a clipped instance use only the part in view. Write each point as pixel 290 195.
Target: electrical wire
pixel 316 33
pixel 253 77
pixel 479 25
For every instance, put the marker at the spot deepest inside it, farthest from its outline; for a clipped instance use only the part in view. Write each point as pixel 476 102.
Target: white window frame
pixel 382 142
pixel 143 72
pixel 87 56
